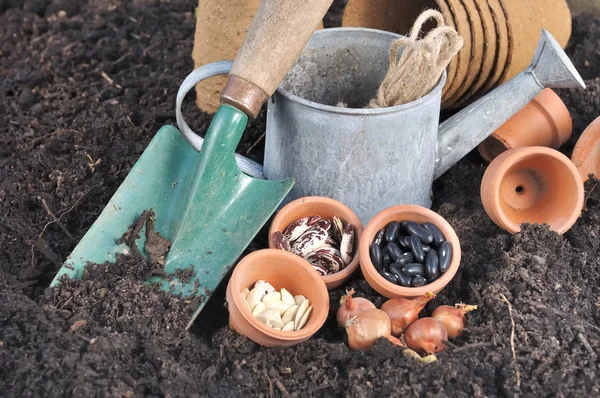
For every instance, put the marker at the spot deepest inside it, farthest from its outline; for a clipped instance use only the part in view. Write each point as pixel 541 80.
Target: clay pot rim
pixel 513 156
pixel 364 111
pixel 350 268
pixel 303 333
pixel 583 149
pixel 394 213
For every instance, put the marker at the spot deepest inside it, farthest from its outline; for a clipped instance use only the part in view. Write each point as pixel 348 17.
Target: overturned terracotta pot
pixel 282 270
pixel 402 213
pixel 532 185
pixel 586 155
pixel 326 208
pixel 545 121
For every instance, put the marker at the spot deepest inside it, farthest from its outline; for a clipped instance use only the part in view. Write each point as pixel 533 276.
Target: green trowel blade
pixel 202 201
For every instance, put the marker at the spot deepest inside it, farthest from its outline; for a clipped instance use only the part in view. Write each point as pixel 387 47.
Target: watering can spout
pixel 460 134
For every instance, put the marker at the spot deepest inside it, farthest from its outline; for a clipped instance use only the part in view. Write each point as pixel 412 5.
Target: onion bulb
pixel 403 312
pixel 350 306
pixel 453 318
pixel 366 327
pixel 426 336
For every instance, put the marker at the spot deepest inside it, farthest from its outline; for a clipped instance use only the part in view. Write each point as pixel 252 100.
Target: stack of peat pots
pixel 500 36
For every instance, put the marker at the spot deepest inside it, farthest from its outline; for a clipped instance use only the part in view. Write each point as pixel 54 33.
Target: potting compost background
pixel 83 88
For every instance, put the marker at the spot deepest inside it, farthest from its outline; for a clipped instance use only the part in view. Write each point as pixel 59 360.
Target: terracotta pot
pixel 586 154
pixel 535 185
pixel 545 121
pixel 324 207
pixel 282 270
pixel 401 213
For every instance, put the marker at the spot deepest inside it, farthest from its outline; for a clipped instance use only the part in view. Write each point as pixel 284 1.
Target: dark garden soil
pixel 84 86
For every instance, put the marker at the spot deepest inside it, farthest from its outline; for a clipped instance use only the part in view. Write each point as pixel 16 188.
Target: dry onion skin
pixel 366 327
pixel 350 306
pixel 453 318
pixel 426 336
pixel 403 312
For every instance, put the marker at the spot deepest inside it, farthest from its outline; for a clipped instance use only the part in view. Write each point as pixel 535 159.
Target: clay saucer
pixel 477 51
pixel 503 47
pixel 525 23
pixel 397 17
pixel 463 27
pixel 586 154
pixel 489 51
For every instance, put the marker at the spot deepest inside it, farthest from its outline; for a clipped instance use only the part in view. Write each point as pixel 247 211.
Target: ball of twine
pixel 422 62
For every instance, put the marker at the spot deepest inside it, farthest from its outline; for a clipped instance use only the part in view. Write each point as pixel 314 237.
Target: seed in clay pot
pixel 297 228
pixel 347 243
pixel 265 286
pixel 426 249
pixel 389 276
pixel 258 309
pixel 432 269
pixel 338 228
pixel 416 248
pixel 414 269
pixel 309 241
pixel 416 230
pixel 270 317
pixel 299 299
pixel 419 281
pixel 406 258
pixel 386 260
pixel 279 305
pixel 319 268
pixel 403 242
pixel 375 253
pixel 288 327
pixel 304 319
pixel 289 314
pixel 331 243
pixel 393 250
pixel 287 298
pixel 438 236
pixel 245 292
pixel 391 231
pixel 396 269
pixel 254 297
pixel 275 296
pixel 300 313
pixel 281 242
pixel 445 255
pixel 379 237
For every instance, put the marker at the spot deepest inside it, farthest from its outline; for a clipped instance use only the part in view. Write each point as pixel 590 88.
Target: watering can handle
pixel 277 35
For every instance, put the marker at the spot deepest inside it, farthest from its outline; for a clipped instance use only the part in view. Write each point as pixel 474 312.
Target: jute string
pixel 422 62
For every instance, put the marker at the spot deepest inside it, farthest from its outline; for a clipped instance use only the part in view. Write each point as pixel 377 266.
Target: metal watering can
pixel 371 159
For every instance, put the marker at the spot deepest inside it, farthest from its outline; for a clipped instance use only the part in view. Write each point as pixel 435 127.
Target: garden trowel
pixel 206 207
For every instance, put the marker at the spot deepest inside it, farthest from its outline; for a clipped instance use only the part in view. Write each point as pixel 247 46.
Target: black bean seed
pixel 418 281
pixel 403 242
pixel 391 231
pixel 415 229
pixel 403 279
pixel 414 269
pixel 417 248
pixel 432 269
pixel 445 256
pixel 406 258
pixel 375 252
pixel 379 237
pixel 386 260
pixel 393 250
pixel 389 276
pixel 426 248
pixel 438 236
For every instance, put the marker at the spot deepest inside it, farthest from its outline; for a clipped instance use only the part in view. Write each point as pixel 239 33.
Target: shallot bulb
pixel 453 318
pixel 350 306
pixel 403 312
pixel 366 327
pixel 426 336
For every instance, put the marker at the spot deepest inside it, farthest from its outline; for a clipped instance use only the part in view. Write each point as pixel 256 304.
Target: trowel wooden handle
pixel 276 37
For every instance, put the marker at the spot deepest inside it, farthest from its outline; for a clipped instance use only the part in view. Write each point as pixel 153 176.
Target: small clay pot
pixel 586 154
pixel 418 214
pixel 535 185
pixel 326 208
pixel 545 121
pixel 282 270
